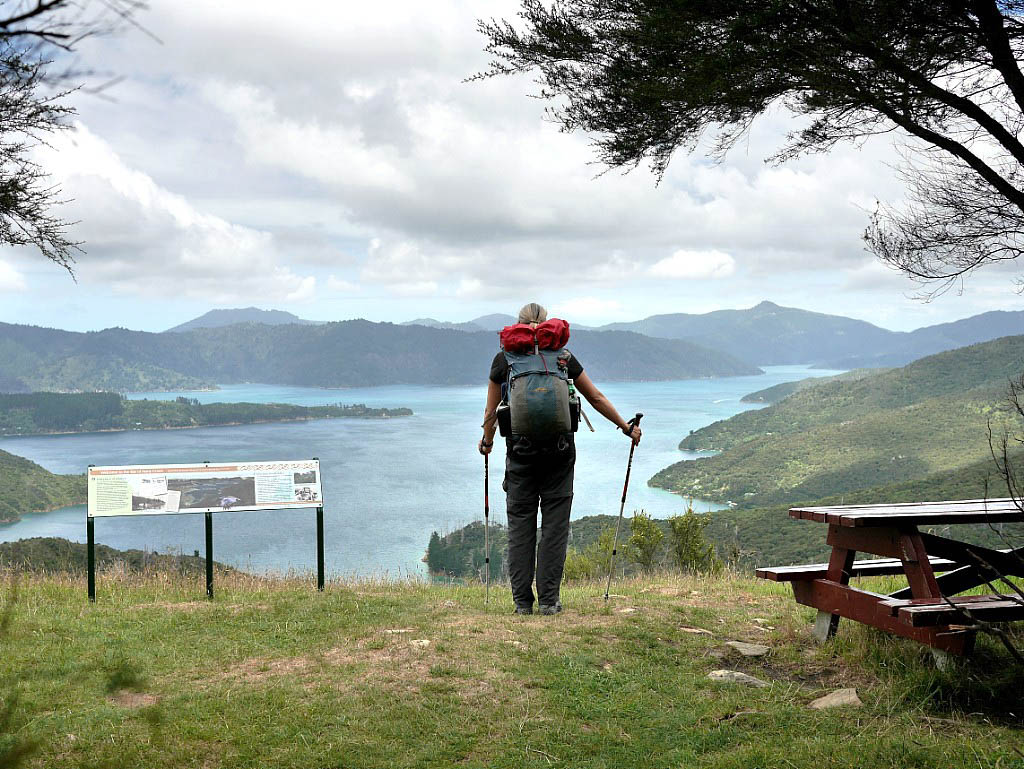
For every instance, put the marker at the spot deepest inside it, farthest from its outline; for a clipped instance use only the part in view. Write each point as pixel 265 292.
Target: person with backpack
pixel 532 396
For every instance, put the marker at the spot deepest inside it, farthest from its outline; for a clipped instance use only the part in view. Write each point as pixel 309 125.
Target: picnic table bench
pixel 937 569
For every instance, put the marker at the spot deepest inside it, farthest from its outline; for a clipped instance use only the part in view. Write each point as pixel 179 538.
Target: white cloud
pixel 333 154
pixel 588 310
pixel 140 237
pixel 340 285
pixel 10 279
pixel 470 287
pixel 692 265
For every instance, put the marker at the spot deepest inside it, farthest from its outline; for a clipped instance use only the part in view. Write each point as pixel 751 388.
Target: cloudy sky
pixel 328 159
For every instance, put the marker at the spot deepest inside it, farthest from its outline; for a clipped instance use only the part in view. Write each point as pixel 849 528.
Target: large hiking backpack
pixel 538 399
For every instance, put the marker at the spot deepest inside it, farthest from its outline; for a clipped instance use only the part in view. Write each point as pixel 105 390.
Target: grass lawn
pixel 274 674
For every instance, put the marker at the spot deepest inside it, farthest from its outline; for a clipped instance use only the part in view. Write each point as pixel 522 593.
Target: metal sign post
pixel 319 548
pixel 209 556
pixel 91 537
pixel 320 536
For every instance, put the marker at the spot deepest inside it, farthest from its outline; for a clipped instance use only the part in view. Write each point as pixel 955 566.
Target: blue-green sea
pixel 387 483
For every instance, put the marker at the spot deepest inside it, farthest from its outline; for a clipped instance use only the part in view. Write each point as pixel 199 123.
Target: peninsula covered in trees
pixel 34 413
pixel 25 487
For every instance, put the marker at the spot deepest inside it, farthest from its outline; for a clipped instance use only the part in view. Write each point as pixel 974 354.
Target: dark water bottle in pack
pixel 574 406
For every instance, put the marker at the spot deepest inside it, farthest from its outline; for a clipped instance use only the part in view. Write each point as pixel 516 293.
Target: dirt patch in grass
pixel 396 662
pixel 257 669
pixel 390 662
pixel 126 698
pixel 188 606
pixel 192 606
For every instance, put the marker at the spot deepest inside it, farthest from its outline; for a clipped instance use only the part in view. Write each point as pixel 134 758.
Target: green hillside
pixel 990 364
pixel 385 675
pixel 783 390
pixel 839 436
pixel 44 359
pixel 28 413
pixel 55 555
pixel 876 448
pixel 768 334
pixel 25 487
pixel 767 536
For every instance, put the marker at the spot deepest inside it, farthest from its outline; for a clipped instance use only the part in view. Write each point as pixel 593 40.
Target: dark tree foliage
pixel 36 73
pixel 461 553
pixel 649 77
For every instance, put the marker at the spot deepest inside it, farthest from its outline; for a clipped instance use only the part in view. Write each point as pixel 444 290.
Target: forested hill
pixel 217 318
pixel 768 334
pixel 954 373
pixel 840 436
pixel 25 487
pixel 783 390
pixel 56 555
pixel 30 413
pixel 345 354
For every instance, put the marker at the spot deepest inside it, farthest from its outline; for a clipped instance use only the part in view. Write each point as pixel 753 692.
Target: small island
pixel 50 413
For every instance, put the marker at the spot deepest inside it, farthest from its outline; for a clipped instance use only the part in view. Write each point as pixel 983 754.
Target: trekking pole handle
pixel 634 422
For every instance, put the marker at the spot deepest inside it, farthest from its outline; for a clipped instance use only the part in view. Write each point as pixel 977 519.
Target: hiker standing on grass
pixel 531 395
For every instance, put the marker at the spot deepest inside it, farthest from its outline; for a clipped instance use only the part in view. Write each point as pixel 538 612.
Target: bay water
pixel 387 483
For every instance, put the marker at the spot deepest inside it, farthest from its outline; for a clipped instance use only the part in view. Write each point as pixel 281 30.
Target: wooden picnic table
pixel 929 609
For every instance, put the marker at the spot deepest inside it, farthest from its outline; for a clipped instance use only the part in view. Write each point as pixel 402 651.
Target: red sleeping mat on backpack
pixel 552 334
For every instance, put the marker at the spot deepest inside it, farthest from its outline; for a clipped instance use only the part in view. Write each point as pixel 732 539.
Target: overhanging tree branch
pixel 33 36
pixel 649 77
pixel 997 41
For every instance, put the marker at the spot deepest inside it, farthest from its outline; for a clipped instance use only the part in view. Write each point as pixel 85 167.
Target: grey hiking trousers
pixel 535 475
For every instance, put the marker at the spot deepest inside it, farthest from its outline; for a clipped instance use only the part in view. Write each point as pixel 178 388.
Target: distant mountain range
pixel 494 322
pixel 346 354
pixel 272 346
pixel 218 318
pixel 768 334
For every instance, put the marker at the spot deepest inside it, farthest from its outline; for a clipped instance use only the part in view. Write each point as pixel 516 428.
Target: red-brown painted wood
pixel 864 606
pixel 993 610
pixel 885 541
pixel 878 567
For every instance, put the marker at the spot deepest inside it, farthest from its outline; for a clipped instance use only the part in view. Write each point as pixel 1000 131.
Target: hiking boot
pixel 524 610
pixel 548 610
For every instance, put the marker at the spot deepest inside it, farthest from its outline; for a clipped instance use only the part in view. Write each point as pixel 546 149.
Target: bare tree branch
pixel 33 37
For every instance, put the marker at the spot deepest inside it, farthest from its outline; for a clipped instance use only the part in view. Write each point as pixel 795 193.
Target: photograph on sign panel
pixel 149 493
pixel 306 494
pixel 225 492
pixel 306 477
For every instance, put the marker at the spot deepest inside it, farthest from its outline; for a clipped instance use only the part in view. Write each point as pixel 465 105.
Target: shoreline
pixel 39 512
pixel 196 427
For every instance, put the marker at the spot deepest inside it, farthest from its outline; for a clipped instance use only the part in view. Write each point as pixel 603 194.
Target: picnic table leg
pixel 839 565
pixel 923 584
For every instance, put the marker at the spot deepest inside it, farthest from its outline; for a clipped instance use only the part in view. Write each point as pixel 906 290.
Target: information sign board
pixel 203 488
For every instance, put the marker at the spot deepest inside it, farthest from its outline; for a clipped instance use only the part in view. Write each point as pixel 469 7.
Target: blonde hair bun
pixel 532 313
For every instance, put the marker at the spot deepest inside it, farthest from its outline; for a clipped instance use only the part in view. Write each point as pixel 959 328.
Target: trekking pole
pixel 634 422
pixel 487 526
